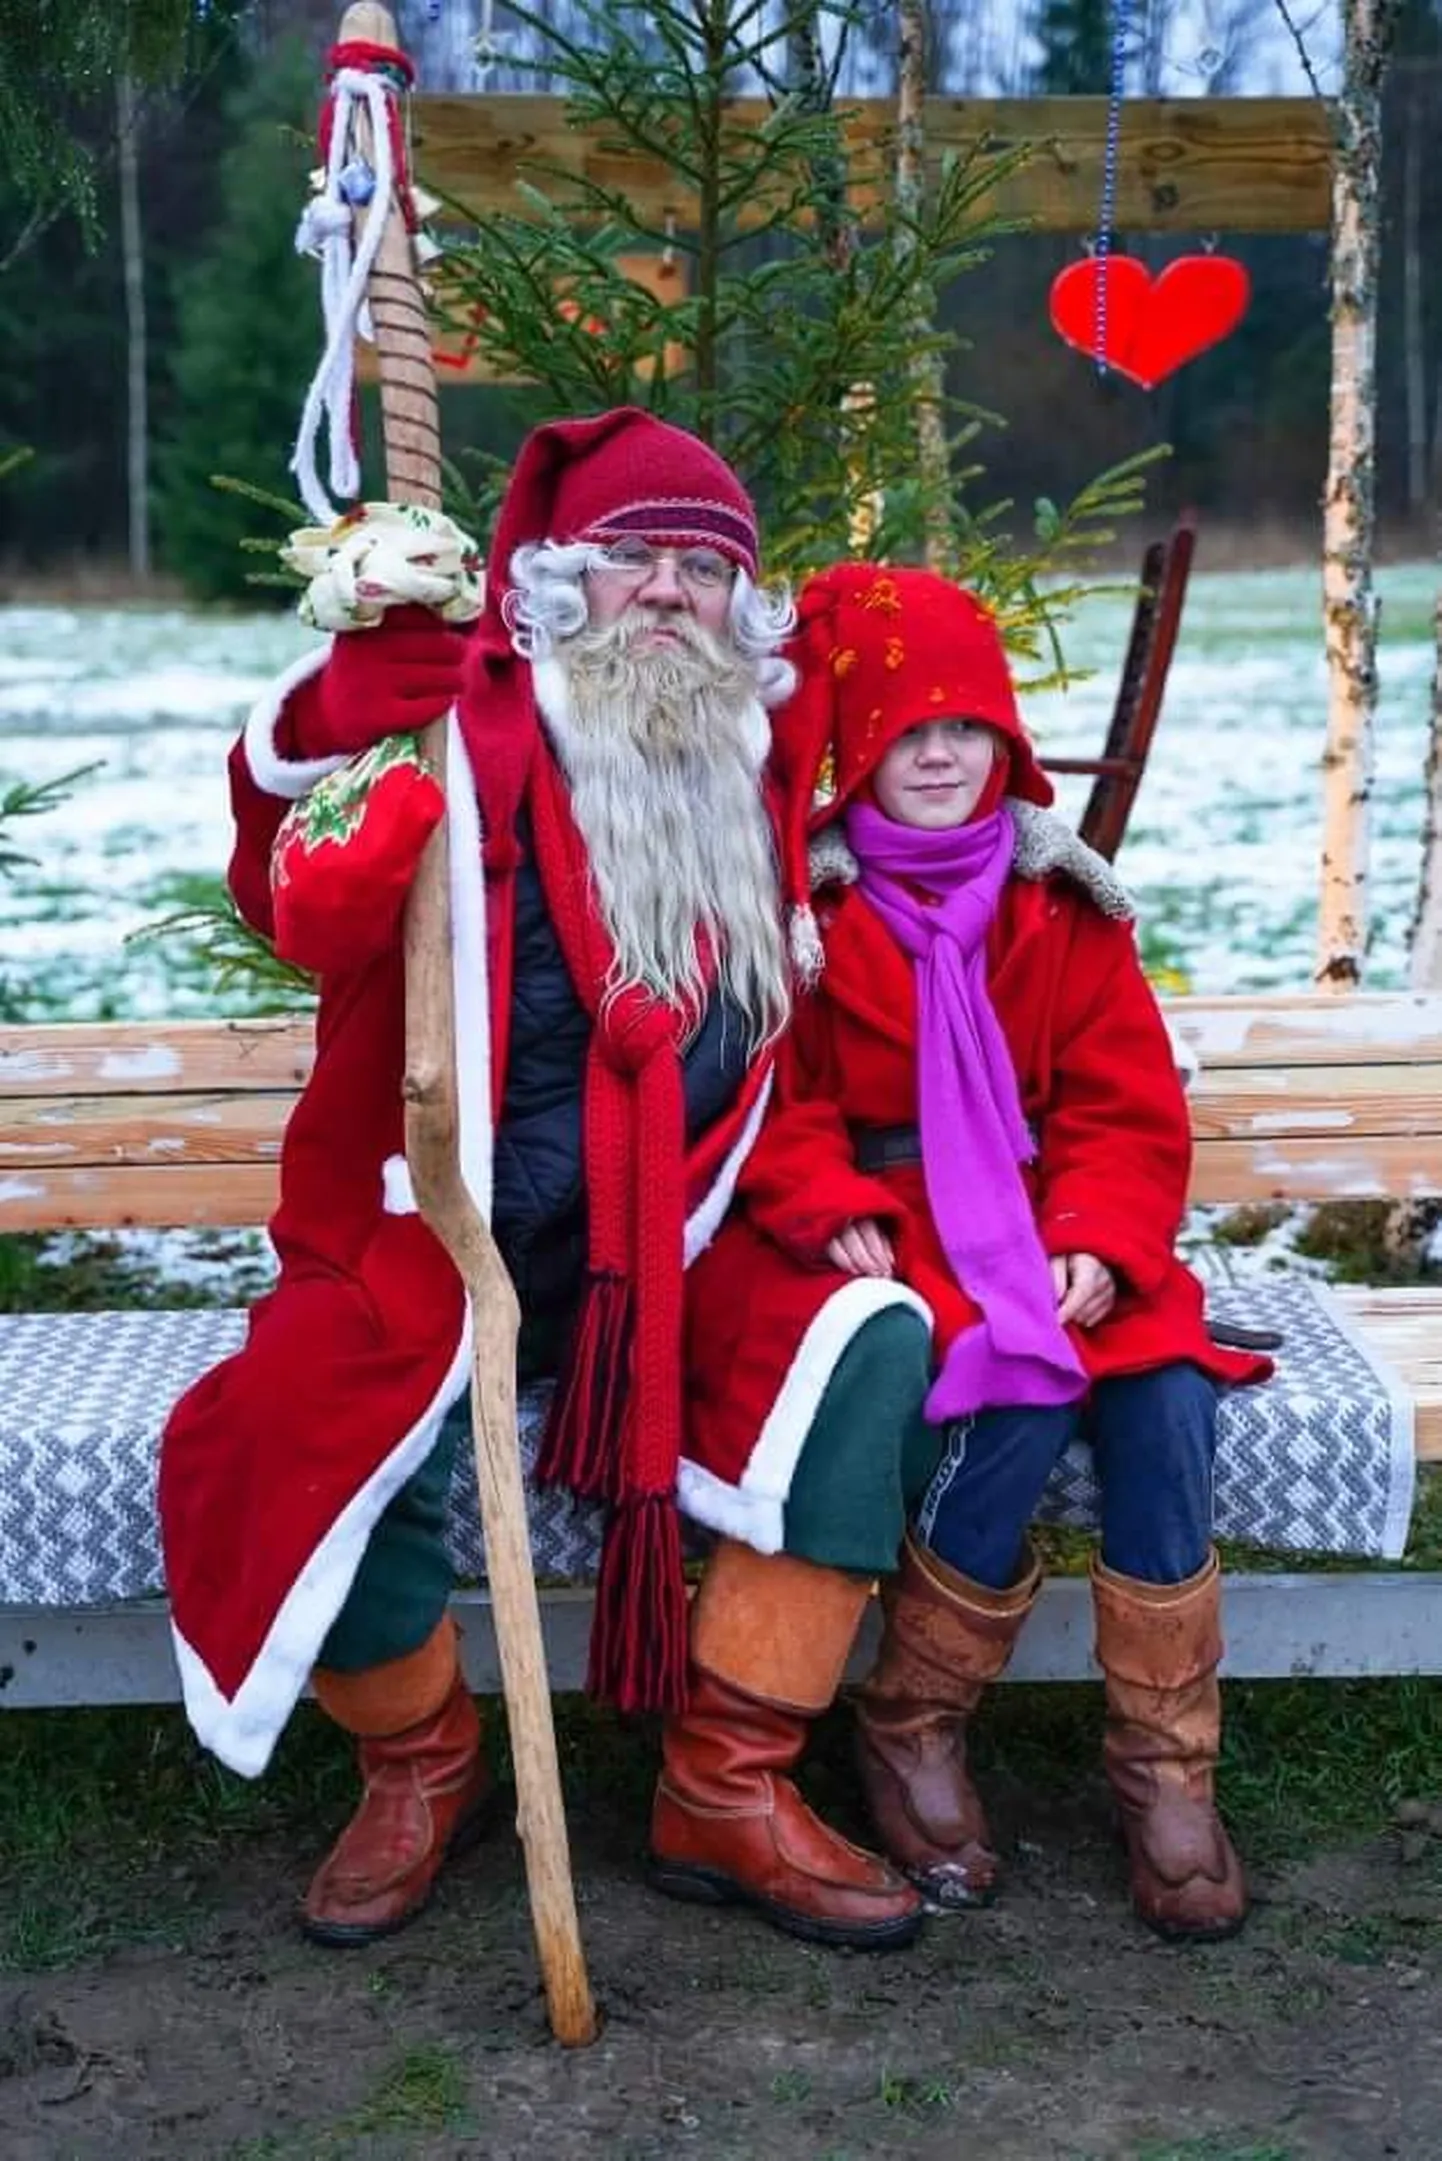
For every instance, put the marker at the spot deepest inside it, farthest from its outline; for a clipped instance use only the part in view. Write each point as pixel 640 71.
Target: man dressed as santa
pixel 623 957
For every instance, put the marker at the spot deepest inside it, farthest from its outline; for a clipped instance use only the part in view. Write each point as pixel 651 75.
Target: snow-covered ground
pixel 1222 852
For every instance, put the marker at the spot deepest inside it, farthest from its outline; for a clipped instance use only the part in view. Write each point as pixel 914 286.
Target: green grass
pixel 108 1818
pixel 113 1822
pixel 424 2090
pixel 1220 2148
pixel 910 2096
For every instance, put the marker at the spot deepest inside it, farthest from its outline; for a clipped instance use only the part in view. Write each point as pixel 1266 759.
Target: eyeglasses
pixel 634 562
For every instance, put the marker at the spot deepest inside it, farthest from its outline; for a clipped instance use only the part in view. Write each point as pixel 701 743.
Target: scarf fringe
pixel 581 1446
pixel 639 1635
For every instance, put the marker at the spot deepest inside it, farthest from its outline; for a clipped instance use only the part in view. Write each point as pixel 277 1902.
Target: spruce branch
pixel 35 799
pixel 238 957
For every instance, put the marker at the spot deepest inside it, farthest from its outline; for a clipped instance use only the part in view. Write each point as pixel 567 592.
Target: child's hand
pixel 862 1249
pixel 1086 1289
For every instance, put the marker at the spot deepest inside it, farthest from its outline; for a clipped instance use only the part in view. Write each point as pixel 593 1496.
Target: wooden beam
pixel 1186 165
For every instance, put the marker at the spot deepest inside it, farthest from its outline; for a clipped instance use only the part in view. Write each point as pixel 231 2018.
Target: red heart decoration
pixel 1152 325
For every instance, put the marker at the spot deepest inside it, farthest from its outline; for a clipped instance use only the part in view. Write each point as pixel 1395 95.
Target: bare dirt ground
pixel 1047 2026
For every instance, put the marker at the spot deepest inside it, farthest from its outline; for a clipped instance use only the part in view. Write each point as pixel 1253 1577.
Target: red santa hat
pixel 879 650
pixel 623 475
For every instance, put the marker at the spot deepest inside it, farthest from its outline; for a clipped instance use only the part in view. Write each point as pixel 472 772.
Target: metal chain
pixel 1109 174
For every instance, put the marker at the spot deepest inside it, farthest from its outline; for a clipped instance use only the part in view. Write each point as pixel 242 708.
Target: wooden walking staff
pixel 412 445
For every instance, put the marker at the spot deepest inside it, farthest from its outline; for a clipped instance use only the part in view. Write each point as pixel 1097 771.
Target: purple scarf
pixel 973 1134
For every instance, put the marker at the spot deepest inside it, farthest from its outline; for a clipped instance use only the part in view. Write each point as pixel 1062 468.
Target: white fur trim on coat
pixel 754 1511
pixel 398 1195
pixel 1045 846
pixel 469 970
pixel 707 1216
pixel 242 1729
pixel 288 777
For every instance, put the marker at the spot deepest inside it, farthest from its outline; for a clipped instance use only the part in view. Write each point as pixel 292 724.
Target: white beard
pixel 663 750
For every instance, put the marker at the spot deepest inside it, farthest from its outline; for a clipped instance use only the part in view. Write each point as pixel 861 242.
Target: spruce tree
pixel 806 312
pixel 247 324
pixel 1076 42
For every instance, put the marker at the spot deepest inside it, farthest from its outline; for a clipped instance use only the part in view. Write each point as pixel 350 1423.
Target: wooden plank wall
pixel 1188 165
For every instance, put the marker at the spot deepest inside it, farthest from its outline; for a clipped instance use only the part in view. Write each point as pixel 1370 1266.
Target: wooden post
pixel 412 446
pixel 1348 594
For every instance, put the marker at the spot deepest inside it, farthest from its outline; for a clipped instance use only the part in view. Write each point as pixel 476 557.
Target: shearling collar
pixel 1046 847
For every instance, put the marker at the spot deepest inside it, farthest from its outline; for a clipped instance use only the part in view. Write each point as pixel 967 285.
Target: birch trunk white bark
pixel 1426 959
pixel 1349 505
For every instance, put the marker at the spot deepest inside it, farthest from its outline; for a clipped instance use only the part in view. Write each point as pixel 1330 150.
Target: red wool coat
pixel 276 1465
pixel 1098 1085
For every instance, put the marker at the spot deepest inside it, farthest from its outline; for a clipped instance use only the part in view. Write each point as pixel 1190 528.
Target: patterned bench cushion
pixel 1320 1461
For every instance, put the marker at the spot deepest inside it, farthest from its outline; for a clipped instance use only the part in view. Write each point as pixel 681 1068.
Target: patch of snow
pixel 156 1062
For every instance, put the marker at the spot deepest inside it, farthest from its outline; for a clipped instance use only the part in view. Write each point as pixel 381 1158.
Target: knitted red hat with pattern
pixel 623 475
pixel 880 650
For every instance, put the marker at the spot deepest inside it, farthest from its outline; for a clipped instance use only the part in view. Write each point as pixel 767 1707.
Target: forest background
pixel 231 330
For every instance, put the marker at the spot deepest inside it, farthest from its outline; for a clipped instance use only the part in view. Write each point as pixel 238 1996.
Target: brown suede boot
pixel 946 1637
pixel 769 1641
pixel 426 1785
pixel 1159 1645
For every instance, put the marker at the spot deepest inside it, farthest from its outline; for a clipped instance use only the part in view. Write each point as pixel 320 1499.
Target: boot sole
pixel 707 1887
pixel 1182 1934
pixel 355 1935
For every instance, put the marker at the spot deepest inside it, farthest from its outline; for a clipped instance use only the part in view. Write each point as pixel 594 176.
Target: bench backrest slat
pixel 133 1196
pixel 136 1057
pixel 1299 1098
pixel 1310 1029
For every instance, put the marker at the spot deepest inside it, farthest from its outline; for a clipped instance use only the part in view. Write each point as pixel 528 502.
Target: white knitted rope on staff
pixel 325 230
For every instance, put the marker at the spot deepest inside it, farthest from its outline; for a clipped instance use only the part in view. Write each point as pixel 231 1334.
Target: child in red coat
pixel 980 1099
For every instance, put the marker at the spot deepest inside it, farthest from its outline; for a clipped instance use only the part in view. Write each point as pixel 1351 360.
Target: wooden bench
pixel 1299 1098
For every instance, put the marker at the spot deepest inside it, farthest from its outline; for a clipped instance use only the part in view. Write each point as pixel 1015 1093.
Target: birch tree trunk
pixel 927 370
pixel 1426 967
pixel 132 256
pixel 1349 597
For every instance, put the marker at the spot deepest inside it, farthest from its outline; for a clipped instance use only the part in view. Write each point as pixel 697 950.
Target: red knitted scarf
pixel 614 1431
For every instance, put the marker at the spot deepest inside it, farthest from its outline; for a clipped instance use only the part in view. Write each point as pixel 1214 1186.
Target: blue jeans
pixel 1152 1436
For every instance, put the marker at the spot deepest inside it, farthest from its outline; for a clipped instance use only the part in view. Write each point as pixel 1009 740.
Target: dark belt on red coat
pixel 885 1148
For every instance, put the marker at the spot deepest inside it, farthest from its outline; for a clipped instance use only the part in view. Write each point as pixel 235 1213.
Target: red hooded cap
pixel 880 650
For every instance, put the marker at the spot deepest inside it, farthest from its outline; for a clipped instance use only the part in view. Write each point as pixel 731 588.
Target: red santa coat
pixel 277 1464
pixel 1099 1088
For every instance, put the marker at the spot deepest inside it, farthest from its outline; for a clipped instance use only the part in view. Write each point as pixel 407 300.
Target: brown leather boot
pixel 1159 1645
pixel 769 1641
pixel 946 1637
pixel 426 1787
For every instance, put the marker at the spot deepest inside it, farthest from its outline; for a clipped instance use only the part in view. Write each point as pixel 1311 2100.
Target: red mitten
pixel 346 853
pixel 386 681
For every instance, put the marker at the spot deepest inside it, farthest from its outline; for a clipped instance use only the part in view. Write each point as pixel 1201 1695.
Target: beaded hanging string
pixel 1102 248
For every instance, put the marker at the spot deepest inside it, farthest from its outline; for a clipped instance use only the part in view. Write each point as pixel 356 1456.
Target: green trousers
pixel 865 1464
